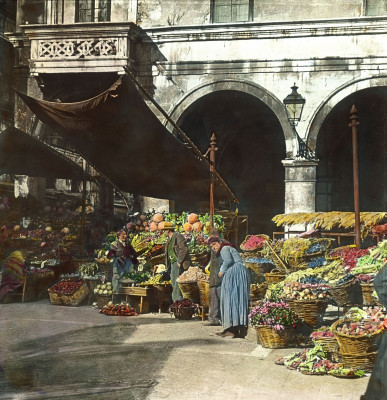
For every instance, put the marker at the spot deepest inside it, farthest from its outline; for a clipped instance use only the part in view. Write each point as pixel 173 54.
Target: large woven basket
pixel 341 294
pixel 204 292
pixel 106 269
pixel 366 291
pixel 242 245
pixel 365 361
pixel 182 312
pixel 273 339
pixel 103 300
pixel 190 290
pixel 311 311
pixel 330 346
pixel 200 258
pixel 258 291
pixel 159 259
pixel 259 268
pixel 355 344
pixel 275 276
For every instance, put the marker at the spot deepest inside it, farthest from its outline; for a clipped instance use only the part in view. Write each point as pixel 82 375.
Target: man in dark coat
pixel 176 257
pixel 215 285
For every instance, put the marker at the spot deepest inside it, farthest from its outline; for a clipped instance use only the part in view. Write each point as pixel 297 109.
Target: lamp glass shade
pixel 294 104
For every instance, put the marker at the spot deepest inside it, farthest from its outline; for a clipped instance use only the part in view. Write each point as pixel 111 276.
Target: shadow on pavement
pixel 95 362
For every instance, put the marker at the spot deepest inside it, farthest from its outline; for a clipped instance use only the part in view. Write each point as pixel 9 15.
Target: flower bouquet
pixel 273 322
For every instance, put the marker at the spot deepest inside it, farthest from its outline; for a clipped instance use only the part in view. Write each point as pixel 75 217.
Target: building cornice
pixel 270 30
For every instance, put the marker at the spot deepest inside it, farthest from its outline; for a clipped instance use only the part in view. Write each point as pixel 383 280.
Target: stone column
pixel 300 188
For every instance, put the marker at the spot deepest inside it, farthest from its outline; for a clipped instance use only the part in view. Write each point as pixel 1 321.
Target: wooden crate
pixel 135 291
pixel 73 299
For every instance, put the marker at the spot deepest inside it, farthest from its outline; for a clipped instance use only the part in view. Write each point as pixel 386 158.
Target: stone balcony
pixel 102 47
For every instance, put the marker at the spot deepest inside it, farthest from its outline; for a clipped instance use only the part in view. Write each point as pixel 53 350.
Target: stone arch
pixel 242 86
pixel 334 98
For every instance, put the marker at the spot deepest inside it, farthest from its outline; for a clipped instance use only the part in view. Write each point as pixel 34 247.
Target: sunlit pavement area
pixel 58 352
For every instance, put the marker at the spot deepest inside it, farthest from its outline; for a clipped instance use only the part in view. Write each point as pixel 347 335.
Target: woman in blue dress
pixel 234 300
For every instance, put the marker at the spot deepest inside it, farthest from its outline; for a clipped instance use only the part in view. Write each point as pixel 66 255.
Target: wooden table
pixel 134 292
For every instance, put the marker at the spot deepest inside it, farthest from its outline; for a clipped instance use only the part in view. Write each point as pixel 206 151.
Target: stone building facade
pixel 224 67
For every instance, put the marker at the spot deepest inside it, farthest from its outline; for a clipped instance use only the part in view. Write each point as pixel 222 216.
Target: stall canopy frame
pixel 120 136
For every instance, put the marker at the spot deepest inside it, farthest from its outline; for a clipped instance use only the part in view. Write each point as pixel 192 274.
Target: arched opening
pixel 334 189
pixel 251 146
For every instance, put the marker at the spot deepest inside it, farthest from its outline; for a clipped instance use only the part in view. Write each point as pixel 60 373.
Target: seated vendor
pixel 13 274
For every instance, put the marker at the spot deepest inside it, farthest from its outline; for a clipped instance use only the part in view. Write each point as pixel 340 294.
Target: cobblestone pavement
pixel 55 352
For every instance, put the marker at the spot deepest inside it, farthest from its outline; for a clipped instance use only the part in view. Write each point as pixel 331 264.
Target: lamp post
pixel 353 125
pixel 294 104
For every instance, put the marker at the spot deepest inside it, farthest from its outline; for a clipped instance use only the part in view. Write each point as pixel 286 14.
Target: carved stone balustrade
pixel 97 47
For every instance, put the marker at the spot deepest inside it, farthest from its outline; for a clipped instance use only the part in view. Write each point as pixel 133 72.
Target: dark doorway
pixel 334 150
pixel 251 146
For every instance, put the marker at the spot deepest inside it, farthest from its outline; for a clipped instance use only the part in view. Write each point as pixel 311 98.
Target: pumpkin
pixel 153 226
pixel 187 227
pixel 160 226
pixel 158 217
pixel 192 218
pixel 197 226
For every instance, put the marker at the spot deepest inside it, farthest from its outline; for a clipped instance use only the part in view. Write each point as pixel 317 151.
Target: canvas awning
pixel 122 138
pixel 23 154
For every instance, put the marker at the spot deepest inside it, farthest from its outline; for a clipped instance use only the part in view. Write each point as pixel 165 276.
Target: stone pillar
pixel 300 187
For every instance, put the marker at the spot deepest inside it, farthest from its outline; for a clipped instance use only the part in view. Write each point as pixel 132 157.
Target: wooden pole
pixel 212 170
pixel 353 125
pixel 83 212
pixel 277 256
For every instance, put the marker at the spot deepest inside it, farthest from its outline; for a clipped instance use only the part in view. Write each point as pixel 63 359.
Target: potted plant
pixel 273 322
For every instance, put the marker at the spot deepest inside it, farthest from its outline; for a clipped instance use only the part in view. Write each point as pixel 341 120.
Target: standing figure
pixel 234 300
pixel 215 291
pixel 125 257
pixel 176 257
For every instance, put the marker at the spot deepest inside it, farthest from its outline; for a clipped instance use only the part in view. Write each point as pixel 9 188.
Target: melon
pixel 187 227
pixel 153 226
pixel 158 217
pixel 192 218
pixel 197 226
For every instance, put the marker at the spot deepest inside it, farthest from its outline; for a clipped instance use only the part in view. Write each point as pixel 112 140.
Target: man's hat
pixel 168 226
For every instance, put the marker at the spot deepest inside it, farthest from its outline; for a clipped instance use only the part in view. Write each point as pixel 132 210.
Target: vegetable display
pixel 123 309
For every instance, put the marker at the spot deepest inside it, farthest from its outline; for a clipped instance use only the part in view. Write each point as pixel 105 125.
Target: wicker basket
pixel 242 245
pixel 159 259
pixel 341 293
pixel 311 311
pixel 200 258
pixel 204 292
pixel 274 276
pixel 71 299
pixel 329 256
pixel 106 269
pixel 259 268
pixel 182 312
pixel 273 339
pixel 355 344
pixel 190 290
pixel 257 292
pixel 330 346
pixel 103 300
pixel 366 291
pixel 365 361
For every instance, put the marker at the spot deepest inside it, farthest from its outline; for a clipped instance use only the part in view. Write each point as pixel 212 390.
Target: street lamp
pixel 294 104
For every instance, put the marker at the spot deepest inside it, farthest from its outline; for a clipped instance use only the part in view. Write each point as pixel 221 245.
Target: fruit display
pixel 157 279
pixel 122 309
pixel 67 286
pixel 342 372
